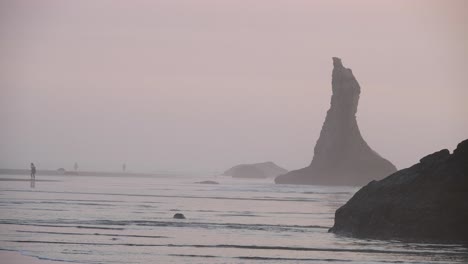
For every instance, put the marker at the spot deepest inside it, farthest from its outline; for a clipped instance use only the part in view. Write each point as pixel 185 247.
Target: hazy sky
pixel 204 85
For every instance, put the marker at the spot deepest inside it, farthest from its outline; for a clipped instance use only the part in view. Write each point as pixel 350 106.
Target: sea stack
pixel 341 156
pixel 256 170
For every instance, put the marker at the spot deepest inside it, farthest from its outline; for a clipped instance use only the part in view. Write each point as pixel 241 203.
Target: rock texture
pixel 341 156
pixel 427 202
pixel 256 170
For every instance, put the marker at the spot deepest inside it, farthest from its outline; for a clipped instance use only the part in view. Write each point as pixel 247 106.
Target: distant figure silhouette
pixel 76 166
pixel 33 171
pixel 124 167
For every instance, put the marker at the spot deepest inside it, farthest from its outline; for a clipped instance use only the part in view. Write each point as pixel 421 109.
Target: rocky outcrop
pixel 341 156
pixel 256 170
pixel 427 202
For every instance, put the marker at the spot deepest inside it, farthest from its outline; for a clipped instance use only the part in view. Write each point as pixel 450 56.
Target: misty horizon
pixel 172 86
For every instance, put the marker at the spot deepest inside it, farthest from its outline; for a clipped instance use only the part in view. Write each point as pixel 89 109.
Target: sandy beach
pixel 13 257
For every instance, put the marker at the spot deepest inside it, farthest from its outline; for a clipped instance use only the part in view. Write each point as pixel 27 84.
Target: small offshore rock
pixel 207 182
pixel 179 216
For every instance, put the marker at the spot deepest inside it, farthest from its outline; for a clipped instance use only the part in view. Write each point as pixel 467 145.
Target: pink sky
pixel 204 85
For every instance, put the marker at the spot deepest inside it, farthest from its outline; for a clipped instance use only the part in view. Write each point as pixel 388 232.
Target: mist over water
pixel 204 85
pixel 129 220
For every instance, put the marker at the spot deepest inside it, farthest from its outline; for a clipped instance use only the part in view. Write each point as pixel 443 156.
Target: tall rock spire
pixel 341 156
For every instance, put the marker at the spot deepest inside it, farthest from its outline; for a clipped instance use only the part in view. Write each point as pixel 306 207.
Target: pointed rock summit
pixel 341 156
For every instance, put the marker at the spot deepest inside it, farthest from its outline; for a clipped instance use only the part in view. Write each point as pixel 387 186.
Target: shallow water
pixel 129 220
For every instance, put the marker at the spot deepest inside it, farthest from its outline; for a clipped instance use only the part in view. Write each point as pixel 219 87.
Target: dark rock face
pixel 341 156
pixel 256 170
pixel 427 202
pixel 179 216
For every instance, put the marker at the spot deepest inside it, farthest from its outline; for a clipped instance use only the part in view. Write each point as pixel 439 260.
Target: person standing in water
pixel 33 171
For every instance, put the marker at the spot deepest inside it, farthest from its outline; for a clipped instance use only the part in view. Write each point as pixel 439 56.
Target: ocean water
pixel 130 220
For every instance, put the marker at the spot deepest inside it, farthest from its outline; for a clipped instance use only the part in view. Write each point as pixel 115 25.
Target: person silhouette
pixel 33 171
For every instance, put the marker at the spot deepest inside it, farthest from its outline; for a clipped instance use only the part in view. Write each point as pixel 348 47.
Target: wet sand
pixel 13 257
pixel 26 180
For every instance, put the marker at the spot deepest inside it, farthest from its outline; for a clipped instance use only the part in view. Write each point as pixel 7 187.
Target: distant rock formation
pixel 208 182
pixel 256 170
pixel 341 156
pixel 427 202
